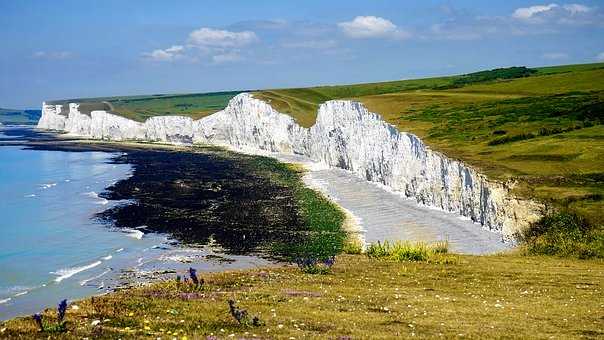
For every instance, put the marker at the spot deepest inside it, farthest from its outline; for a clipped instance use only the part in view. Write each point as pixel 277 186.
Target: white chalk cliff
pixel 345 135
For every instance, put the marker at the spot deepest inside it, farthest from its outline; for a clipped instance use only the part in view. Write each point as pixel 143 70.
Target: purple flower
pixel 329 261
pixel 38 318
pixel 193 274
pixel 61 310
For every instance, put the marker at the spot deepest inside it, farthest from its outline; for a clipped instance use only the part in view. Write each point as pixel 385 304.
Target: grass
pixel 564 234
pixel 325 236
pixel 504 296
pixel 540 129
pixel 407 251
pixel 140 108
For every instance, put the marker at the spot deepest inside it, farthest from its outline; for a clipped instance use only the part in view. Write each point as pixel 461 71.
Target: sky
pixel 78 48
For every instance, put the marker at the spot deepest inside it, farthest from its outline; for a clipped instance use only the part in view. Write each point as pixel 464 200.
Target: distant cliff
pixel 345 135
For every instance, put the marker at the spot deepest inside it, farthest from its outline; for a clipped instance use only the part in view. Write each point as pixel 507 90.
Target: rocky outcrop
pixel 345 135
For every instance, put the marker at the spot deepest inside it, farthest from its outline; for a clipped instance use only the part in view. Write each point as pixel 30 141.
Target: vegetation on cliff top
pixel 475 297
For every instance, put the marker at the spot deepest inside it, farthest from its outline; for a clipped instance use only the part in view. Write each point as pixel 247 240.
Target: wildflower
pixel 95 322
pixel 329 261
pixel 193 274
pixel 61 310
pixel 38 318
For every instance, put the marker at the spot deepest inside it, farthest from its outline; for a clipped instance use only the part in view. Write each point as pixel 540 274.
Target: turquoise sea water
pixel 51 247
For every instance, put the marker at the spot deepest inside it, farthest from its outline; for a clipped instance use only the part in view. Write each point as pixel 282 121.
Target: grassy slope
pixel 140 108
pixel 564 168
pixel 478 297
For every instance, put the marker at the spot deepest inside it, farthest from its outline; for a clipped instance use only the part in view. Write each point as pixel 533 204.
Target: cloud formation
pixel 218 46
pixel 365 27
pixel 169 54
pixel 557 13
pixel 208 37
pixel 600 56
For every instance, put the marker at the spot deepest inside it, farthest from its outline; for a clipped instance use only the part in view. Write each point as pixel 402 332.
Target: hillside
pixel 18 117
pixel 539 127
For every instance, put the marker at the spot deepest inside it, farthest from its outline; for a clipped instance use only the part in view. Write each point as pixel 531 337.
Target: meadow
pixel 498 296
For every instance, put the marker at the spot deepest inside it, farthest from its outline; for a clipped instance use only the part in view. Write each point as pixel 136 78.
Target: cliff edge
pixel 346 135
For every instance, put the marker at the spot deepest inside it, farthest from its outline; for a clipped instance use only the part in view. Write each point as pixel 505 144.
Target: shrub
pixel 564 234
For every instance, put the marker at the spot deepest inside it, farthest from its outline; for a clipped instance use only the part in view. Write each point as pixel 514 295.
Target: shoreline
pixel 182 253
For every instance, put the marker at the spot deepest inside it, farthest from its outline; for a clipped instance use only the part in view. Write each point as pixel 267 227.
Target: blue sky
pixel 69 49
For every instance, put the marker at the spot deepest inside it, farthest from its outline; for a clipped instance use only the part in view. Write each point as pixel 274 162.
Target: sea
pixel 52 246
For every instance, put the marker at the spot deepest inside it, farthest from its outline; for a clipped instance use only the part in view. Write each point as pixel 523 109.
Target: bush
pixel 564 234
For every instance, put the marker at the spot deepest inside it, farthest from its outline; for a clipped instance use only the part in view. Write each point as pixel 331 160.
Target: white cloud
pixel 600 56
pixel 363 27
pixel 208 37
pixel 168 54
pixel 226 58
pixel 217 46
pixel 53 55
pixel 554 56
pixel 526 13
pixel 559 14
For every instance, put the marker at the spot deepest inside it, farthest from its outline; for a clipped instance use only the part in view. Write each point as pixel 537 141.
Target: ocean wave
pixel 21 293
pixel 31 195
pixel 99 200
pixel 108 257
pixel 48 185
pixel 119 250
pixel 137 234
pixel 69 272
pixel 5 300
pixel 85 281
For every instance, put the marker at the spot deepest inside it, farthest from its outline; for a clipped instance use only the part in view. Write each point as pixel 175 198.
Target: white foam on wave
pixel 5 300
pixel 119 250
pixel 99 200
pixel 21 293
pixel 84 282
pixel 137 234
pixel 69 272
pixel 48 185
pixel 108 257
pixel 30 195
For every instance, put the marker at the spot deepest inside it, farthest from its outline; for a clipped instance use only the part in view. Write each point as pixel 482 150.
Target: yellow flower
pixel 147 328
pixel 131 314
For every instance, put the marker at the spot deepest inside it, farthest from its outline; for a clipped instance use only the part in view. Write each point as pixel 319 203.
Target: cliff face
pixel 345 135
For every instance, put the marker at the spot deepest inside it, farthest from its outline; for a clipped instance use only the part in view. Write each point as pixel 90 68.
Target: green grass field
pixel 502 296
